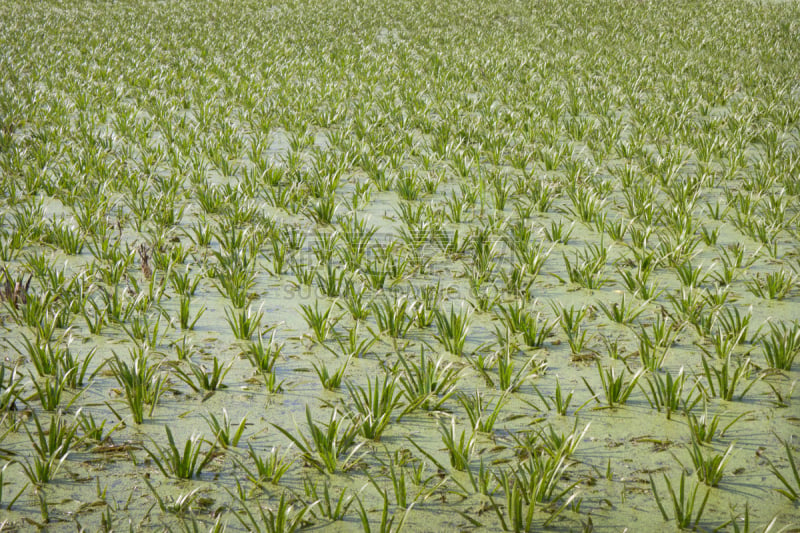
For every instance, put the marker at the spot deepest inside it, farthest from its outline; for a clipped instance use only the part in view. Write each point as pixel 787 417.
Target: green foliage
pixel 687 509
pixel 452 329
pixel 372 408
pixel 186 463
pixel 327 443
pixel 142 382
pixel 244 154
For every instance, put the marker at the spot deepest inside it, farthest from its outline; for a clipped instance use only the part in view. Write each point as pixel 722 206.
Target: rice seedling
pixel 280 256
pixel 235 284
pixel 482 415
pixel 92 431
pixel 667 393
pixel 187 322
pixel 372 409
pixel 200 233
pixel 427 299
pixel 386 265
pixel 535 481
pixel 616 389
pixel 269 468
pixel 570 321
pixel 452 329
pixel 203 378
pixel 709 236
pixel 484 296
pixel 703 428
pixel 782 345
pixel 95 317
pixel 510 381
pixel 330 282
pixel 393 317
pixel 42 354
pixel 184 349
pixel 559 400
pixel 59 437
pixel 588 268
pixel 356 234
pixel 322 210
pixel 243 322
pixel 351 346
pixel 325 245
pixel 142 382
pixel 688 306
pixel 485 252
pixel 305 275
pixel 10 388
pixel 67 238
pixel 518 236
pixel 723 345
pixel 355 300
pixel 709 468
pixel 651 353
pixel 414 238
pixel 689 276
pixel 622 312
pixel 517 281
pixel 407 186
pixel 188 463
pixel 141 331
pixel 791 485
pixel 273 384
pixel 331 381
pixel 330 507
pixel 733 324
pixel 637 283
pixel 179 506
pixel 461 449
pixel 450 244
pixel 116 304
pixel 558 445
pixel 263 356
pixel 687 509
pixel 534 330
pixel 227 436
pixel 773 285
pixel 733 259
pixel 518 509
pixel 513 316
pixel 43 469
pixel 427 384
pixel 745 520
pixel 320 322
pixel 727 378
pixel 49 393
pixel 586 203
pixel 456 208
pixel 396 473
pixel 51 449
pixel 533 257
pixel 386 525
pixel 286 517
pixel 293 237
pixel 327 443
pixel 616 229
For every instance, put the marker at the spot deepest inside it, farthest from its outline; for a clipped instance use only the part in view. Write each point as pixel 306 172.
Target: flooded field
pixel 432 266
